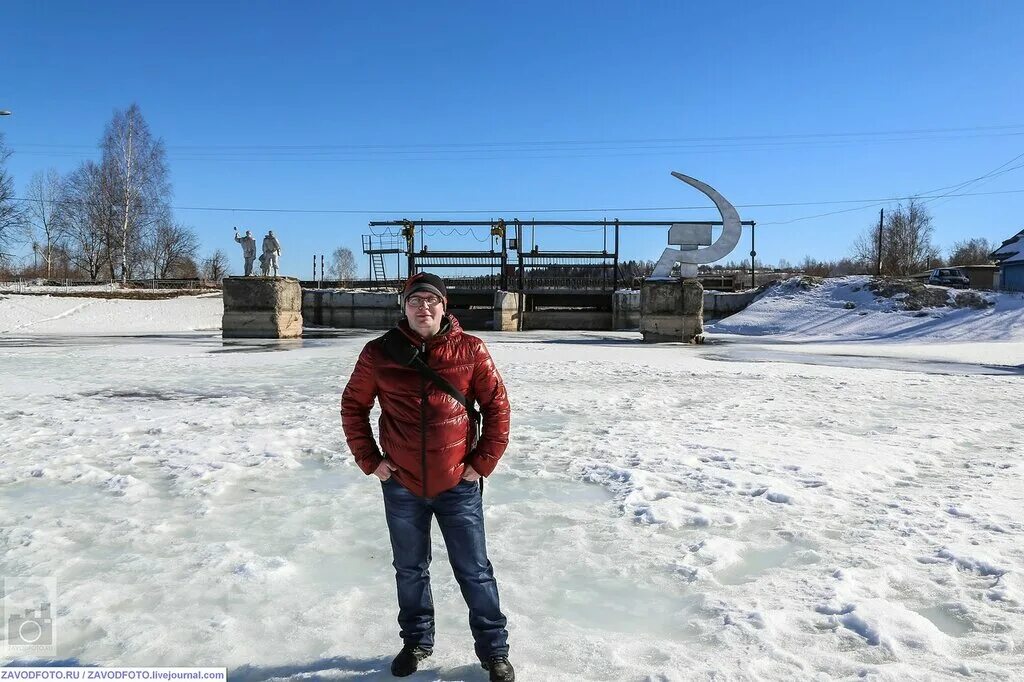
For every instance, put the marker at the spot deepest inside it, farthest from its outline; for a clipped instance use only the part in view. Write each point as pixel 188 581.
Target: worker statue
pixel 271 253
pixel 248 243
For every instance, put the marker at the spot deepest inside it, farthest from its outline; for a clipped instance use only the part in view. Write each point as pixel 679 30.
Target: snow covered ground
pixel 72 316
pixel 802 505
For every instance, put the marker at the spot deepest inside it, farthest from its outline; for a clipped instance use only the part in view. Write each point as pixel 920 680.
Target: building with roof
pixel 1010 258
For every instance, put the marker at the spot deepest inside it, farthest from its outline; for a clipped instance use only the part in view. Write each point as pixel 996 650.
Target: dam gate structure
pixel 514 284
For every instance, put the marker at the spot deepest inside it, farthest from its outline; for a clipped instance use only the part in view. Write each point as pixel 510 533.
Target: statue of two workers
pixel 269 257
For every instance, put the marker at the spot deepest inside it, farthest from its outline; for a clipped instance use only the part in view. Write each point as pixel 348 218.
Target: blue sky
pixel 392 110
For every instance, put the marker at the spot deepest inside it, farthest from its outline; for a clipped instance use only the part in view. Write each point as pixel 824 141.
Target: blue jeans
pixel 460 515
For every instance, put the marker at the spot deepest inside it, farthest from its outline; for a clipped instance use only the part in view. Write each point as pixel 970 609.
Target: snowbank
pixel 846 309
pixel 30 315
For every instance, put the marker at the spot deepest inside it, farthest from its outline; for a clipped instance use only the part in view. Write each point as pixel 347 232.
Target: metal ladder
pixel 378 267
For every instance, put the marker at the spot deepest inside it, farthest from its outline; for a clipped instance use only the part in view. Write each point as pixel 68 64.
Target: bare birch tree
pixel 136 162
pixel 343 264
pixel 45 215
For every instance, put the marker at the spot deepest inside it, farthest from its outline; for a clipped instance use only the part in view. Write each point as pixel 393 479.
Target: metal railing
pixel 383 243
pixel 473 283
pixel 563 283
pixel 390 284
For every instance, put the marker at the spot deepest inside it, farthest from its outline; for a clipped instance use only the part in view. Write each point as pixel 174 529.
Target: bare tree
pixel 169 246
pixel 971 252
pixel 847 266
pixel 136 162
pixel 45 215
pixel 906 241
pixel 343 264
pixel 186 268
pixel 909 244
pixel 215 268
pixel 866 248
pixel 88 217
pixel 11 213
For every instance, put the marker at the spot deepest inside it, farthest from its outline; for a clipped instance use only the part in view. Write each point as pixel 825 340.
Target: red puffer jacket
pixel 424 431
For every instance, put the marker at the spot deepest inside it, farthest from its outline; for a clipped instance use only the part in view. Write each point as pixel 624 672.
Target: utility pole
pixel 881 216
pixel 753 255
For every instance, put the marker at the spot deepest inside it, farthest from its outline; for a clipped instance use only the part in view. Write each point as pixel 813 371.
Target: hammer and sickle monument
pixel 671 301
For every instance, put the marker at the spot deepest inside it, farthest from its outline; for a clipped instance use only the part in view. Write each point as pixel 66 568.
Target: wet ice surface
pixel 755 510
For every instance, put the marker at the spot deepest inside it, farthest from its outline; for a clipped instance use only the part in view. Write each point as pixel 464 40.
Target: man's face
pixel 424 311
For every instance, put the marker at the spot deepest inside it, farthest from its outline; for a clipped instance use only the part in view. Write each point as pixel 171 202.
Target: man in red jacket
pixel 429 466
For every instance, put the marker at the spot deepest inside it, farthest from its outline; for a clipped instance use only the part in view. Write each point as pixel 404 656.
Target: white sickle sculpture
pixel 691 237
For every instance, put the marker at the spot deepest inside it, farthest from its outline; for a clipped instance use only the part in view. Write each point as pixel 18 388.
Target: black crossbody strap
pixel 404 353
pixel 443 384
pixel 399 349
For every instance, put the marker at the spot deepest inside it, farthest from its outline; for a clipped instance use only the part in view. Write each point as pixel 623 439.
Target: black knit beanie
pixel 426 281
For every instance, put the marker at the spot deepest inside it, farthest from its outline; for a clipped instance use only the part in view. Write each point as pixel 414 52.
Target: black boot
pixel 408 659
pixel 500 669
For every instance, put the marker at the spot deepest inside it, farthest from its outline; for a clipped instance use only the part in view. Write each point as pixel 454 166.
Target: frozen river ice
pixel 746 508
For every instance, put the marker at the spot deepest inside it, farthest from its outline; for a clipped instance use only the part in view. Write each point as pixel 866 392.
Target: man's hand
pixel 470 474
pixel 384 469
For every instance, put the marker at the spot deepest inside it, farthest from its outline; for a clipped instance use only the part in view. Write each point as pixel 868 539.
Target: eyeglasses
pixel 423 301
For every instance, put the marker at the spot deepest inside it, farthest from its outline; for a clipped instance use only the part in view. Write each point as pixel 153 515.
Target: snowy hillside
pixel 846 308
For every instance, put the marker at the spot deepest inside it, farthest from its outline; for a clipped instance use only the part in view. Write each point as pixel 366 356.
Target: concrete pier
pixel 672 310
pixel 507 311
pixel 626 309
pixel 262 308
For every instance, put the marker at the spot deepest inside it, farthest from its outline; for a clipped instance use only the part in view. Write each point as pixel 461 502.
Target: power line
pixel 881 202
pixel 545 144
pixel 529 211
pixel 542 150
pixel 995 172
pixel 523 154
